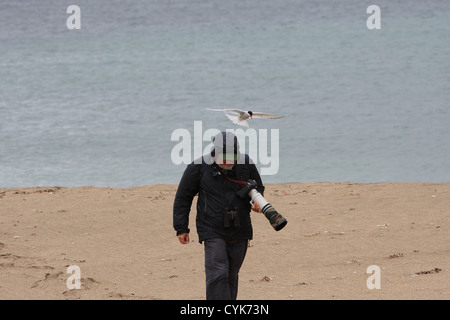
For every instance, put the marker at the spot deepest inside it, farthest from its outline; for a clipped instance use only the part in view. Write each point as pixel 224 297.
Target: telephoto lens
pixel 277 221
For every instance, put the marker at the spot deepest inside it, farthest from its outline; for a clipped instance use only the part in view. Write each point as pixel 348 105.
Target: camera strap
pixel 237 181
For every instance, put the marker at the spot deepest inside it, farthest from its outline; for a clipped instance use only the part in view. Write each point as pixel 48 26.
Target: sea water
pixel 97 106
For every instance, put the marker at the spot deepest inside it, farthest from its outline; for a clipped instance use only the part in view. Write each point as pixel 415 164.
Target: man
pixel 223 218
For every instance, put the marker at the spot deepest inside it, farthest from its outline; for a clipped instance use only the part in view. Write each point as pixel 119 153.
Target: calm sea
pixel 97 106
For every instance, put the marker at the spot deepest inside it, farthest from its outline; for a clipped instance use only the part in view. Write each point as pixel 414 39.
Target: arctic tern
pixel 240 117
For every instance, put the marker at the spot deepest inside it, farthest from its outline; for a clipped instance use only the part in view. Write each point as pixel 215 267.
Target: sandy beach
pixel 123 242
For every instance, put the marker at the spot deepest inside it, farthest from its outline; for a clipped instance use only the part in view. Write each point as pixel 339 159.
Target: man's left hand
pixel 255 207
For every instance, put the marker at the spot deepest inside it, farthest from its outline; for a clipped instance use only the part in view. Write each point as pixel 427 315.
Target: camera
pixel 276 220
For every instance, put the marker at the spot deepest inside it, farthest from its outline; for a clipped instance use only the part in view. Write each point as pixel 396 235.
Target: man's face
pixel 226 161
pixel 226 165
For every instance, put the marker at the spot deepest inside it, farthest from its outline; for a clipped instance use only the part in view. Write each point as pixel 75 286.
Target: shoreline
pixel 176 184
pixel 123 242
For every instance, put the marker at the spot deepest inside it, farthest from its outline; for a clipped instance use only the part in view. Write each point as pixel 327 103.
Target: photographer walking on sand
pixel 223 217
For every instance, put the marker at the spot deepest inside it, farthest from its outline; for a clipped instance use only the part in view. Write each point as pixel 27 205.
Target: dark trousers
pixel 223 259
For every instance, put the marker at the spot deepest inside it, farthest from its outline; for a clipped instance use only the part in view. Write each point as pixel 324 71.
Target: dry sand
pixel 123 242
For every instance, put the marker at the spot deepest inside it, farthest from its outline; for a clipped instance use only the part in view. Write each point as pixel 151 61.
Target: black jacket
pixel 216 195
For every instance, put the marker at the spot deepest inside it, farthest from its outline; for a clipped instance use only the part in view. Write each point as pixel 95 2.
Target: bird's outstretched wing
pixel 265 115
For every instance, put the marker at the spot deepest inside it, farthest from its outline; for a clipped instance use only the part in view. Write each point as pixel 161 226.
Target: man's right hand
pixel 184 238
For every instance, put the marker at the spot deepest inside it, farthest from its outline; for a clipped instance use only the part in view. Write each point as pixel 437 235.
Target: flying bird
pixel 240 117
